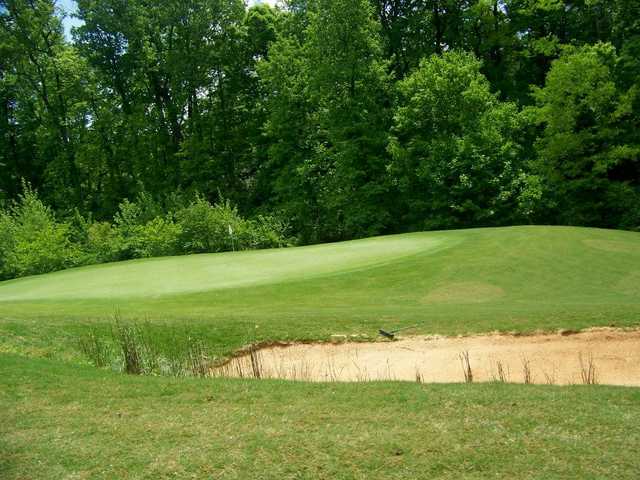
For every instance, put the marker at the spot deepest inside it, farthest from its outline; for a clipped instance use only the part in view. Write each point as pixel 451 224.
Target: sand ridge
pixel 561 358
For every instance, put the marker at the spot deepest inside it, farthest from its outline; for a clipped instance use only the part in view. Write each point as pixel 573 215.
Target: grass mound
pixel 163 276
pixel 64 420
pixel 466 281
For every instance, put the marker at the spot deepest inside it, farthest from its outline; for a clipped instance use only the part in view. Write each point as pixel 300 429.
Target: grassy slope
pixel 59 420
pixel 522 279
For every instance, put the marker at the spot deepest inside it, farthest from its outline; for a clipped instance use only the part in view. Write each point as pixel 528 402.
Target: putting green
pixel 463 281
pixel 159 277
pixel 456 282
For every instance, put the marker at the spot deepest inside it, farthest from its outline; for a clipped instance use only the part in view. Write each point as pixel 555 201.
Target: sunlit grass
pixel 511 279
pixel 59 419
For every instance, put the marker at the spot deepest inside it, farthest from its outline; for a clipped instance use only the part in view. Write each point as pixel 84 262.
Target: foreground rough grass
pixel 62 421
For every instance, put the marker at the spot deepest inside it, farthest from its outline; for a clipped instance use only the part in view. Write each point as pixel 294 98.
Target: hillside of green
pixel 511 279
pixel 62 418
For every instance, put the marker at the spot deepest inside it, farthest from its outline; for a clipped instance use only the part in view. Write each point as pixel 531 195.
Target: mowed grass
pixel 511 279
pixel 165 276
pixel 61 421
pixel 61 418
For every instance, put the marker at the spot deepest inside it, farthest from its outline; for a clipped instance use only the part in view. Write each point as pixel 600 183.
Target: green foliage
pixel 7 245
pixel 329 122
pixel 32 241
pixel 455 153
pixel 267 232
pixel 291 110
pixel 103 243
pixel 157 238
pixel 141 232
pixel 208 228
pixel 217 228
pixel 589 152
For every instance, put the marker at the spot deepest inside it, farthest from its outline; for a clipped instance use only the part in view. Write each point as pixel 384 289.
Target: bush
pixel 266 232
pixel 127 221
pixel 206 228
pixel 157 238
pixel 96 242
pixel 140 230
pixel 139 212
pixel 7 245
pixel 32 241
pixel 103 243
pixel 218 228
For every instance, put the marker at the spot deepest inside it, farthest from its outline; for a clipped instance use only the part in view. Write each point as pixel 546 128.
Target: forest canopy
pixel 337 118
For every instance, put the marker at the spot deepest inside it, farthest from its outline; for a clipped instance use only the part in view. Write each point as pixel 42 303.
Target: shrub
pixel 7 244
pixel 96 242
pixel 266 232
pixel 157 238
pixel 103 243
pixel 219 227
pixel 32 241
pixel 142 210
pixel 207 228
pixel 130 223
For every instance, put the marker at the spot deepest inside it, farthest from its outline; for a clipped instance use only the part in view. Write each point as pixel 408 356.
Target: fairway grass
pixel 519 279
pixel 62 418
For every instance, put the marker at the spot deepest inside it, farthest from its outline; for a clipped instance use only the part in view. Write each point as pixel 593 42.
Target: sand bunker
pixel 604 356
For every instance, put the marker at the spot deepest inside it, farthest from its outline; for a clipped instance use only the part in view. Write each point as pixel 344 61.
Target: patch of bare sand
pixel 552 358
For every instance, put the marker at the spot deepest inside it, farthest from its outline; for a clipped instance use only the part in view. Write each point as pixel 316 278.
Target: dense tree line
pixel 344 118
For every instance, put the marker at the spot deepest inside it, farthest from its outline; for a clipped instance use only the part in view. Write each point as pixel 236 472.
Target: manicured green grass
pixel 63 419
pixel 510 279
pixel 164 276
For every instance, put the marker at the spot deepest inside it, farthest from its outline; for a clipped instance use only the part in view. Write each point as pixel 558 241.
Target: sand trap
pixel 551 358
